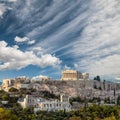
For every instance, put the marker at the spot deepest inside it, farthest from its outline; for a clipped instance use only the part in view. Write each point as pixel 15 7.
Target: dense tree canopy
pixel 7 115
pixel 12 89
pixel 94 112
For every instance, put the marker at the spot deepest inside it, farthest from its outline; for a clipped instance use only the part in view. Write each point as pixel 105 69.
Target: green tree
pixel 75 118
pixel 5 97
pixel 97 78
pixel 110 118
pixel 12 89
pixel 7 115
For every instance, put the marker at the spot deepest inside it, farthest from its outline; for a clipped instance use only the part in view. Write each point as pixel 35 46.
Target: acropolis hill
pixel 72 83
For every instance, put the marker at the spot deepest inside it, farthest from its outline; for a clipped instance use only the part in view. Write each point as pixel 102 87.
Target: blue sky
pixel 43 37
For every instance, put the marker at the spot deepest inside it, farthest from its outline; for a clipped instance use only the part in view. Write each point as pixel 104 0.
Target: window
pixel 44 105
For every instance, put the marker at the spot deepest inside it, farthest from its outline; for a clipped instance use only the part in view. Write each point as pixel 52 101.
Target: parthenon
pixel 74 75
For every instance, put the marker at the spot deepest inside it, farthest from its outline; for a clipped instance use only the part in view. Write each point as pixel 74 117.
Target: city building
pixel 6 84
pixel 74 75
pixel 20 82
pixel 22 86
pixel 42 104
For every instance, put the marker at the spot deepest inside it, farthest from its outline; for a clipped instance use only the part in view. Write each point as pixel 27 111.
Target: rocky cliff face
pixel 88 88
pixel 71 88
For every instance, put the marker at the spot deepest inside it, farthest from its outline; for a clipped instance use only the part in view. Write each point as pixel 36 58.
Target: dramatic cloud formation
pixel 84 34
pixel 108 65
pixel 99 44
pixel 92 37
pixel 12 58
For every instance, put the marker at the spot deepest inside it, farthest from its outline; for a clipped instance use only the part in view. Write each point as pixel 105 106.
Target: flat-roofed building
pixel 15 82
pixel 74 75
pixel 6 84
pixel 43 104
pixel 71 75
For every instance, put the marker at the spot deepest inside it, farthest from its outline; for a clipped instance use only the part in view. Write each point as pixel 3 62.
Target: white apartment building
pixel 46 105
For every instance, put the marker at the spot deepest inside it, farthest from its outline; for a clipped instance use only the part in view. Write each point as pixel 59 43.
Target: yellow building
pixel 6 84
pixel 74 75
pixel 71 75
pixel 16 83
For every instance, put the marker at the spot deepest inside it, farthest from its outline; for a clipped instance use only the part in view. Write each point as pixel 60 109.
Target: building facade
pixel 74 75
pixel 20 82
pixel 42 104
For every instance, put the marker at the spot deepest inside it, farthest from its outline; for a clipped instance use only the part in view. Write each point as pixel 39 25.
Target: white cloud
pixel 39 77
pixel 97 45
pixel 16 46
pixel 97 50
pixel 117 78
pixel 67 67
pixel 37 50
pixel 89 34
pixel 76 66
pixel 49 60
pixel 3 9
pixel 31 42
pixel 107 66
pixel 13 58
pixel 24 40
pixel 12 0
pixel 9 0
pixel 19 39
